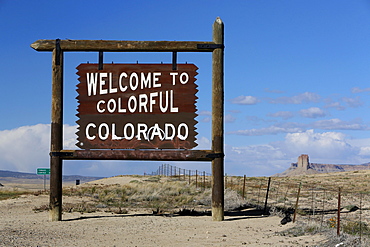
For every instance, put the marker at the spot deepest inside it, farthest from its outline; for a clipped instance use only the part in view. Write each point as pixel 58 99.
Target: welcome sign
pixel 136 106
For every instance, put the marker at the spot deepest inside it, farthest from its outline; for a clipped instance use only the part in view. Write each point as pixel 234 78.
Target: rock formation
pixel 304 167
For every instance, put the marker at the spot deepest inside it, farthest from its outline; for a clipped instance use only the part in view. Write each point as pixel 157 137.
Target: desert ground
pixel 24 223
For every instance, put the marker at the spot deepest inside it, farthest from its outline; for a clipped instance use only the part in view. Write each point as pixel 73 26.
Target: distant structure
pixel 303 161
pixel 304 167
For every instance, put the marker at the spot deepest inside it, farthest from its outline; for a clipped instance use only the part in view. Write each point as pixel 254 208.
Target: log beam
pixel 169 155
pixel 125 46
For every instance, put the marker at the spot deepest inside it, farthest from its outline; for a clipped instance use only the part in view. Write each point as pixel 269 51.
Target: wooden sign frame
pixel 216 154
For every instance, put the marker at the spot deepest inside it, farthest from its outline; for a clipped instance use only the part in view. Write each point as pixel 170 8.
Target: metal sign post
pixel 165 143
pixel 43 171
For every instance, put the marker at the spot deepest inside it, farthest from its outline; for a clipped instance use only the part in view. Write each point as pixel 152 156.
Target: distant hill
pixel 304 167
pixel 24 175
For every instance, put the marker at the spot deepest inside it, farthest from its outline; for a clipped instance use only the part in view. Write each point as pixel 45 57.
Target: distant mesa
pixel 304 167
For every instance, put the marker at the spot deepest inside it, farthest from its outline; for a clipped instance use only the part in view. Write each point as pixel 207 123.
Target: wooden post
pixel 196 178
pixel 244 187
pixel 267 196
pixel 218 122
pixel 204 180
pixel 56 162
pixel 338 215
pixel 296 203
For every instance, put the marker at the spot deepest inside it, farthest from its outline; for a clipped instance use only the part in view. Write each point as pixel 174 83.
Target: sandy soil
pixel 21 226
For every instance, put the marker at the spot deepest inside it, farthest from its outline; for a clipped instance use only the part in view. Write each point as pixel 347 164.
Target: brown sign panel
pixel 136 106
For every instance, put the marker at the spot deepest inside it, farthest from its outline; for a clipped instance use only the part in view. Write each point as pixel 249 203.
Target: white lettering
pixel 134 79
pixel 111 88
pixel 100 110
pixel 132 100
pixel 100 131
pixel 114 136
pixel 92 79
pixel 143 101
pixel 145 82
pixel 87 133
pixel 163 109
pixel 182 79
pixel 127 137
pixel 173 74
pixel 173 108
pixel 167 131
pixel 121 87
pixel 156 76
pixel 120 109
pixel 152 101
pixel 111 105
pixel 156 131
pixel 186 129
pixel 141 129
pixel 102 83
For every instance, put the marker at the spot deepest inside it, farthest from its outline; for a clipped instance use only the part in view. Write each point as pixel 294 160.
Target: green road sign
pixel 43 171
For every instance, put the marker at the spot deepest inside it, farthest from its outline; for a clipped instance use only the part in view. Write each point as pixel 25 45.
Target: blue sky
pixel 297 77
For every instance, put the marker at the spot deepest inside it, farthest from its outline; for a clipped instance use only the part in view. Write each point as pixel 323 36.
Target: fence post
pixel 267 196
pixel 338 216
pixel 204 180
pixel 323 208
pixel 296 202
pixel 196 178
pixel 244 187
pixel 360 218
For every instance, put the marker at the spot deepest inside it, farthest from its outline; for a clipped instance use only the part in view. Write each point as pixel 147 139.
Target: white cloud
pixel 205 113
pixel 282 114
pixel 229 118
pixel 335 105
pixel 268 90
pixel 306 97
pixel 245 100
pixel 203 143
pixel 353 102
pixel 360 90
pixel 254 160
pixel 206 120
pixel 27 147
pixel 337 124
pixel 365 151
pixel 312 112
pixel 324 147
pixel 271 130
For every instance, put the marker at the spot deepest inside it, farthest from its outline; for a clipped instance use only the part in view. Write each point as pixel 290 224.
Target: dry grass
pixel 159 194
pixel 13 193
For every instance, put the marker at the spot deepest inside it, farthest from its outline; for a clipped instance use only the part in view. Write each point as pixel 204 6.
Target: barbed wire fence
pixel 200 178
pixel 344 208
